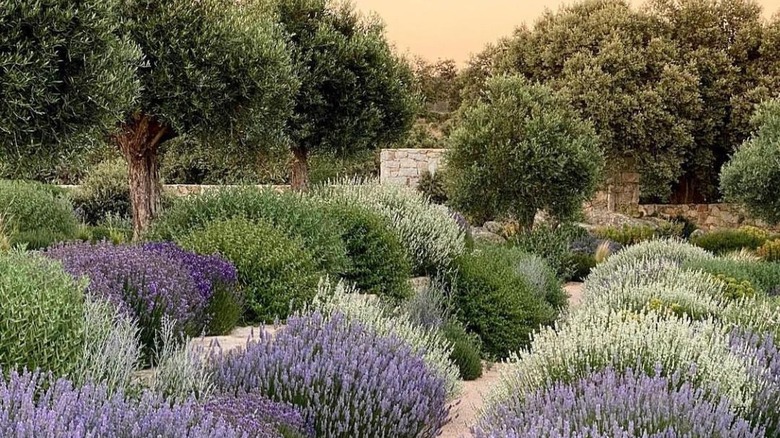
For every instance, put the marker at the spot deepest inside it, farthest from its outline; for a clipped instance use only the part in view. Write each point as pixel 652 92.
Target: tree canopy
pixel 520 148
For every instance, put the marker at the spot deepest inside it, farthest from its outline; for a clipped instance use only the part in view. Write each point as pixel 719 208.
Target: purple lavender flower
pixel 149 282
pixel 64 411
pixel 260 417
pixel 608 404
pixel 349 381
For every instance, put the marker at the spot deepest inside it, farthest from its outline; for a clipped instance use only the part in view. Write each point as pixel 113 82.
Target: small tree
pixel 355 93
pixel 63 73
pixel 212 68
pixel 520 148
pixel 752 177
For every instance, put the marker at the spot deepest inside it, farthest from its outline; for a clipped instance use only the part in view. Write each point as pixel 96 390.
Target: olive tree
pixel 355 93
pixel 216 69
pixel 520 148
pixel 64 75
pixel 752 176
pixel 609 61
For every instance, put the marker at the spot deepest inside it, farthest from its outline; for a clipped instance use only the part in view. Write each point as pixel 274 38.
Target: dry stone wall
pixel 406 166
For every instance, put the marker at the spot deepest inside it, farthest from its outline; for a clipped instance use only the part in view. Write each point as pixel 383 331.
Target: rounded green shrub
pixel 299 217
pixel 35 214
pixel 41 314
pixel 465 351
pixel 104 192
pixel 276 271
pixel 764 277
pixel 723 241
pixel 497 302
pixel 432 186
pixel 378 263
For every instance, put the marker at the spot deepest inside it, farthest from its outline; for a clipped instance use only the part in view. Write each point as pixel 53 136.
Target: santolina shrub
pixel 612 403
pixel 62 410
pixel 350 381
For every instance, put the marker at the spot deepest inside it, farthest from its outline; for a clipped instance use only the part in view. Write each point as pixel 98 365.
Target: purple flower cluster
pixel 207 271
pixel 349 381
pixel 149 282
pixel 259 416
pixel 64 411
pixel 608 404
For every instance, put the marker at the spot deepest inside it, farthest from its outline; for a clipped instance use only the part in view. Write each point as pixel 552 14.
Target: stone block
pixel 409 171
pixel 408 163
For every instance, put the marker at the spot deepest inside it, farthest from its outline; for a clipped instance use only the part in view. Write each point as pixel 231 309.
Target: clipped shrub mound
pixel 671 250
pixel 40 316
pixel 299 217
pixel 612 403
pixel 723 241
pixel 378 263
pixel 430 235
pixel 62 410
pixel 35 214
pixel 277 272
pixel 499 303
pixel 350 381
pixel 104 192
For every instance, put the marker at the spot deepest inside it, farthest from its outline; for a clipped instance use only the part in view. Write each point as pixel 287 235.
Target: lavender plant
pixel 350 381
pixel 764 353
pixel 611 403
pixel 145 284
pixel 34 406
pixel 261 417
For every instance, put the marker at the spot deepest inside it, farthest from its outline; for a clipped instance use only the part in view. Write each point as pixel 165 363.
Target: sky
pixel 455 29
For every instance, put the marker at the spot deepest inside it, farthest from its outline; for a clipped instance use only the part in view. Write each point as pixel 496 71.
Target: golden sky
pixel 456 28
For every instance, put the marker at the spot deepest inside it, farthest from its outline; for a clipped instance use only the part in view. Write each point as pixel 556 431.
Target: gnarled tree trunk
pixel 299 177
pixel 138 140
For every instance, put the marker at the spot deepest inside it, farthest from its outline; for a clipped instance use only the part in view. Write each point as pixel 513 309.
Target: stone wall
pixel 193 189
pixel 405 166
pixel 705 216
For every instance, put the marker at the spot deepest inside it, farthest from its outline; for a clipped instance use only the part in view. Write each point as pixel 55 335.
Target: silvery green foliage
pixel 659 285
pixel 597 338
pixel 111 351
pixel 181 372
pixel 429 307
pixel 672 250
pixel 431 236
pixel 374 316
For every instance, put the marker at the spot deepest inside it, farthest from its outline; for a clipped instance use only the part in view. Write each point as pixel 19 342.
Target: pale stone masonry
pixel 405 166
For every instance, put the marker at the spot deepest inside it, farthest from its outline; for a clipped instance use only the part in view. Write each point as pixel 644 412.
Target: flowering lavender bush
pixel 610 404
pixel 216 278
pixel 261 417
pixel 351 382
pixel 64 411
pixel 145 283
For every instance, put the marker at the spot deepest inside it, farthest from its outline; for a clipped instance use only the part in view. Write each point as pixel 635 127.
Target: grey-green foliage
pixel 65 71
pixel 41 314
pixel 214 66
pixel 182 370
pixel 103 193
pixel 752 177
pixel 518 149
pixel 32 208
pixel 111 352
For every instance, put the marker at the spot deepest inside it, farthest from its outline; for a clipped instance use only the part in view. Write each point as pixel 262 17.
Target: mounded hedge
pixel 36 214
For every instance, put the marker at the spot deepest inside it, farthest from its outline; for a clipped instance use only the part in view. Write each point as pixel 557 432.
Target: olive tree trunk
pixel 299 177
pixel 138 141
